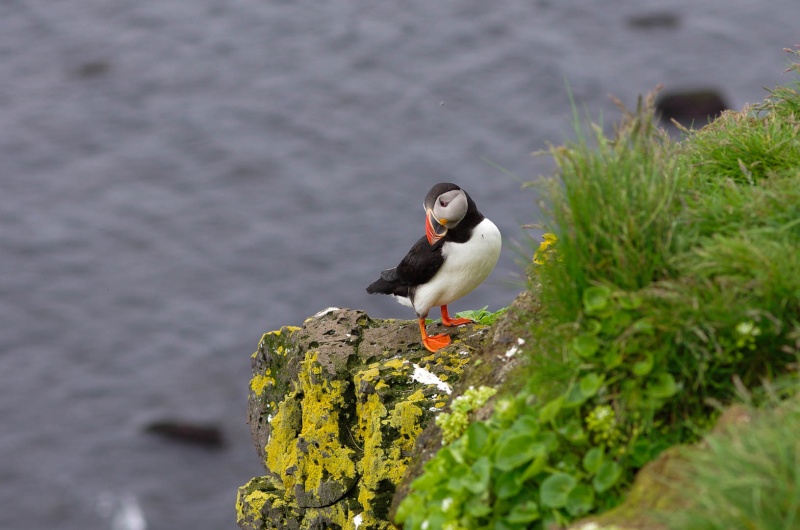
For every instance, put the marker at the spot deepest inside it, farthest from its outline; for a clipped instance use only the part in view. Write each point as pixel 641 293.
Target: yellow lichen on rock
pixel 369 374
pixel 338 515
pixel 277 332
pixel 304 447
pixel 406 418
pixel 253 503
pixel 448 361
pixel 259 503
pixel 259 382
pixel 275 340
pixel 397 364
pixel 370 412
pixel 387 433
pixel 281 450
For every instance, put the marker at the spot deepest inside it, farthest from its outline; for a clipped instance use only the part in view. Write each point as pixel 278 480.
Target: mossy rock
pixel 661 486
pixel 335 409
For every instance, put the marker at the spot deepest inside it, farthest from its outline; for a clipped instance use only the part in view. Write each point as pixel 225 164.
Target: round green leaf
pixel 580 500
pixel 526 424
pixel 508 484
pixel 556 489
pixel 406 507
pixel 481 471
pixel 461 478
pixel 585 345
pixel 574 397
pixel 573 431
pixel 592 459
pixel 596 299
pixel 590 384
pixel 643 367
pixel 620 320
pixel 549 440
pixel 477 438
pixel 534 468
pixel 612 358
pixel 630 301
pixel 516 450
pixel 662 386
pixel 592 326
pixel 476 507
pixel 607 475
pixel 550 410
pixel 523 513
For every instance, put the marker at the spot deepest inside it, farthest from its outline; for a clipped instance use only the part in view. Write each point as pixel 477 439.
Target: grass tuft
pixel 610 208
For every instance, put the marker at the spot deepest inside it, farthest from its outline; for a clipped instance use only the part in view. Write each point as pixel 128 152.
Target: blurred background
pixel 178 178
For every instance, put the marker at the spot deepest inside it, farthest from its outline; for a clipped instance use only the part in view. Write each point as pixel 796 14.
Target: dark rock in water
pixel 692 107
pixel 209 436
pixel 93 69
pixel 654 21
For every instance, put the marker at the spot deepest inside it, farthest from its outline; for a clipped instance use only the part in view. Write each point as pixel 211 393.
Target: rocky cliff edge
pixel 336 410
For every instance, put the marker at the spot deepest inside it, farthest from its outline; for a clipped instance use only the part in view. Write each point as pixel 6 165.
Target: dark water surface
pixel 180 177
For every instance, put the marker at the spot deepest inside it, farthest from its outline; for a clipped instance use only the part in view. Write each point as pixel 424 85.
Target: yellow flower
pixel 541 254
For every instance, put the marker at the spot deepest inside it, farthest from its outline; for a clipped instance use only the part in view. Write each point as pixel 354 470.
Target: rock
pixel 656 20
pixel 691 107
pixel 93 69
pixel 661 485
pixel 335 408
pixel 209 436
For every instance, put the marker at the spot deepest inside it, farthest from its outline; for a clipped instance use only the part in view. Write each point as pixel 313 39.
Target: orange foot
pixel 434 342
pixel 449 322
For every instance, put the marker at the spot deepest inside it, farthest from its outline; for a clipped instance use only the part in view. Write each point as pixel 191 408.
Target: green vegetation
pixel 748 477
pixel 482 316
pixel 669 284
pixel 454 423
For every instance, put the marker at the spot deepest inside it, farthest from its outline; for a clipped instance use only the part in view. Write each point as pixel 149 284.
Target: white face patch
pixel 451 206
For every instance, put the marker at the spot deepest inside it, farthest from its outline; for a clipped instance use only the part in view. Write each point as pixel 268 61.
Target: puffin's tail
pixel 389 284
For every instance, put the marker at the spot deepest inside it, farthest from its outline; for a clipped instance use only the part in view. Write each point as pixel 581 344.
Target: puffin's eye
pixel 443 203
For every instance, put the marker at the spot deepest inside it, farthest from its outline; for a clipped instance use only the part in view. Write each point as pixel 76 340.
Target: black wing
pixel 417 267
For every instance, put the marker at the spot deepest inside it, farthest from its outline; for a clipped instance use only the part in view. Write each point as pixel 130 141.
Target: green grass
pixel 669 286
pixel 609 205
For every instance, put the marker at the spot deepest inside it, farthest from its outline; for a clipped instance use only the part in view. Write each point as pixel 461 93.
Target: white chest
pixel 465 267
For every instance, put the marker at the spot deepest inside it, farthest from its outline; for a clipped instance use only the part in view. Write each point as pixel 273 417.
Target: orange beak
pixel 435 229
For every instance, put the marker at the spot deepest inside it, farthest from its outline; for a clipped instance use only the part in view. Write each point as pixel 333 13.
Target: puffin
pixel 459 250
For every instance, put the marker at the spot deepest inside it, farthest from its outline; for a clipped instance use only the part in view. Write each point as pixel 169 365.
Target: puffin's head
pixel 445 206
